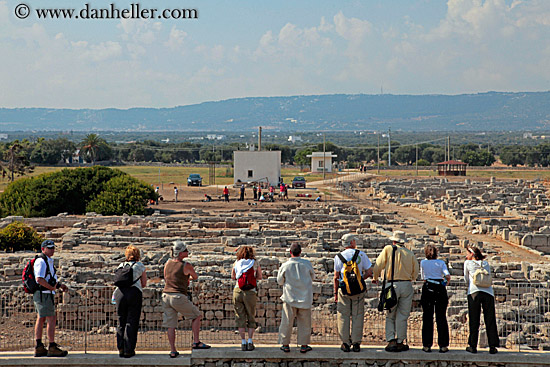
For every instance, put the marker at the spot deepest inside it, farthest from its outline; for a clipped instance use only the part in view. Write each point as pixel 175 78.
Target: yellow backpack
pixel 352 282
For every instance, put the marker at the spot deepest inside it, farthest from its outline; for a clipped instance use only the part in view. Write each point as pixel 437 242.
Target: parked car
pixel 194 179
pixel 299 182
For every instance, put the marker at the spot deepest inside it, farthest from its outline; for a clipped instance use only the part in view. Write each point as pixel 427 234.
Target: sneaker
pixel 244 347
pixel 493 350
pixel 356 347
pixel 40 351
pixel 443 349
pixel 472 350
pixel 54 351
pixel 392 345
pixel 345 347
pixel 427 349
pixel 400 347
pixel 250 346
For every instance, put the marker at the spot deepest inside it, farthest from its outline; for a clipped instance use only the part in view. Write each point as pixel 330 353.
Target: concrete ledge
pixel 268 355
pixel 81 359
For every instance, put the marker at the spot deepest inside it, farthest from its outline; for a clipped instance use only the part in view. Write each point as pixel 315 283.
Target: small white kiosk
pixel 318 164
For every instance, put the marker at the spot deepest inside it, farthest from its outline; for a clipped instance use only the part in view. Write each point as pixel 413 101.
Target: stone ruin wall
pixel 318 229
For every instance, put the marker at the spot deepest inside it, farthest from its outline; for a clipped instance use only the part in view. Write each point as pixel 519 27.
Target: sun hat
pixel 399 236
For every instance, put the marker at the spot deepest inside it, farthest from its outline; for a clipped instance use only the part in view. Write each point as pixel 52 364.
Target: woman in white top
pixel 434 298
pixel 128 304
pixel 244 300
pixel 478 298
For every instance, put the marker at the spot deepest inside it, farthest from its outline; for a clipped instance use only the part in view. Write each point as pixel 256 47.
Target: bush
pixel 123 194
pixel 68 190
pixel 18 236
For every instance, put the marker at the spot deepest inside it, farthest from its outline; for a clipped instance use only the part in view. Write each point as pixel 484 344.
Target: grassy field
pixel 161 175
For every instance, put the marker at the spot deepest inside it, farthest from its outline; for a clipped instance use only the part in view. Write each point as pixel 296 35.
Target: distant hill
pixel 492 111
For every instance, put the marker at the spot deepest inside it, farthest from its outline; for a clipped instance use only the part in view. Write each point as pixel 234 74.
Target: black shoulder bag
pixel 388 297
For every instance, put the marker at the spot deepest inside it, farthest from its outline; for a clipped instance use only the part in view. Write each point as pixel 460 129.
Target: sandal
pixel 305 348
pixel 200 345
pixel 174 354
pixel 285 348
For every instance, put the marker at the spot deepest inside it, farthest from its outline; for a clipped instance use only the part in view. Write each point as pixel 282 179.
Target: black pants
pixel 477 301
pixel 128 302
pixel 434 299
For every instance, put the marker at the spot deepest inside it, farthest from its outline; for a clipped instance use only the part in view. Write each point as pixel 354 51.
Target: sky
pixel 264 48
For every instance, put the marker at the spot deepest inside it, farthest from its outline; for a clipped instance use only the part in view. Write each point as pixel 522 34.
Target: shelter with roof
pixel 451 168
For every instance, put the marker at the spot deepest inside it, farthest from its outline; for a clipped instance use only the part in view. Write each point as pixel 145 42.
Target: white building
pixel 293 138
pixel 263 166
pixel 317 163
pixel 3 136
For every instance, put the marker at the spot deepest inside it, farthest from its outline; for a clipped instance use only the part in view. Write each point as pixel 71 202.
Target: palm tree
pixel 90 146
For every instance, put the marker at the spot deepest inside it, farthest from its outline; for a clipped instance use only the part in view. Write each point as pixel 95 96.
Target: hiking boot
pixel 356 347
pixel 400 347
pixel 250 346
pixel 54 351
pixel 40 351
pixel 244 347
pixel 392 346
pixel 345 347
pixel 471 349
pixel 493 350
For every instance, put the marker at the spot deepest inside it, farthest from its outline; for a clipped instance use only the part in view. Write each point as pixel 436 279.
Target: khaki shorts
pixel 174 303
pixel 44 306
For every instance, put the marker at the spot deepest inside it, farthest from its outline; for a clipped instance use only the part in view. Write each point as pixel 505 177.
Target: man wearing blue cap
pixel 45 275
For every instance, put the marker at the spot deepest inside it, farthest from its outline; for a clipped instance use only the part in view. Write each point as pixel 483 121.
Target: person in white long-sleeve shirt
pixel 478 298
pixel 296 276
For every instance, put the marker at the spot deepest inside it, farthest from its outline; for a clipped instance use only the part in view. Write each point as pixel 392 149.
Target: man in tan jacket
pixel 406 271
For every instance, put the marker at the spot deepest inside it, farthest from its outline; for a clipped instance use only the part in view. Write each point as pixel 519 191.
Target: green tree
pixel 512 155
pixel 301 158
pixel 68 190
pixel 122 195
pixel 18 236
pixel 17 162
pixel 52 151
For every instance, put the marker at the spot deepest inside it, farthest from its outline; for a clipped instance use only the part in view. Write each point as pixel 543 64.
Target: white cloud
pixel 176 39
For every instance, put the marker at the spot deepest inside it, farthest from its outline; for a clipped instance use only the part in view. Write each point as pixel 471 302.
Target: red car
pixel 299 182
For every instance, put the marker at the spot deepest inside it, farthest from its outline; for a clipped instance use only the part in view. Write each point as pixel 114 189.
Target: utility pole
pixel 378 156
pixel 416 159
pixel 389 147
pixel 324 152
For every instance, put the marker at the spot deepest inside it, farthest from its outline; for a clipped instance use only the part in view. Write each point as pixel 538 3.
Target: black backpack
pixel 124 276
pixel 29 280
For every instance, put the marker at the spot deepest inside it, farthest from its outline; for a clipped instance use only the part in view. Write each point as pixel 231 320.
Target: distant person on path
pixel 177 274
pixel 434 298
pixel 255 191
pixel 128 303
pixel 176 193
pixel 46 277
pixel 246 271
pixel 296 276
pixel 351 308
pixel 241 198
pixel 158 195
pixel 207 198
pixel 271 193
pixel 226 194
pixel 480 297
pixel 406 271
pixel 259 192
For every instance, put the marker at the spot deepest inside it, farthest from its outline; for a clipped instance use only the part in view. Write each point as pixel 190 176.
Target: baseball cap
pixel 48 244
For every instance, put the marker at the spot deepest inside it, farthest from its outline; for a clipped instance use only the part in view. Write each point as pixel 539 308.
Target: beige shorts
pixel 174 303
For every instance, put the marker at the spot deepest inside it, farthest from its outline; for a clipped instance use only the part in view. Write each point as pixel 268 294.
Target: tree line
pixel 18 157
